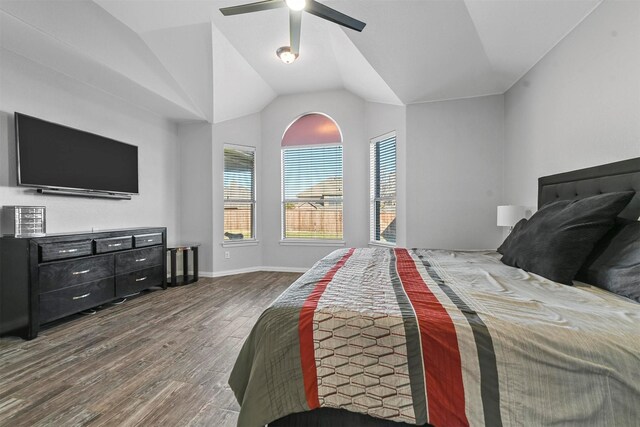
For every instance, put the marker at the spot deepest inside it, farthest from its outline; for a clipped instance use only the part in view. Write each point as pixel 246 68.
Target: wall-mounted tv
pixel 52 156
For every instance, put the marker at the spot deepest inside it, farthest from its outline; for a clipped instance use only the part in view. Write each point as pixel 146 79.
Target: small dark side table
pixel 185 278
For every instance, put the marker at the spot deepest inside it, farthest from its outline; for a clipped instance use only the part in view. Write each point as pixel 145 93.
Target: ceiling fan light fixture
pixel 285 54
pixel 296 4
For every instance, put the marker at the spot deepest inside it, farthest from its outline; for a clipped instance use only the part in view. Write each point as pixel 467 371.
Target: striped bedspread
pixel 447 338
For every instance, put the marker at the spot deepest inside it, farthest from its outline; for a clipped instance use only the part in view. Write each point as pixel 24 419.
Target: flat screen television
pixel 53 156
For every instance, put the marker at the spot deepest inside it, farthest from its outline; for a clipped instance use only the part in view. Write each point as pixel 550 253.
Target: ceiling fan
pixel 288 54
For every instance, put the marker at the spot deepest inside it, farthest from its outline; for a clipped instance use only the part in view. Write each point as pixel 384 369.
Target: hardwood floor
pixel 162 358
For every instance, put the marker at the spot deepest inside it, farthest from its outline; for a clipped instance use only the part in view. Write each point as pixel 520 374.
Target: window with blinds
pixel 383 189
pixel 312 192
pixel 239 193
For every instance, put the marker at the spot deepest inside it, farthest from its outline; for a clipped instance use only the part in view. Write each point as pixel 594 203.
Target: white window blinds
pixel 383 189
pixel 239 193
pixel 312 192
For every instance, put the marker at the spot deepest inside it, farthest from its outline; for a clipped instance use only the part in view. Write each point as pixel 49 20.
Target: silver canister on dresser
pixel 24 221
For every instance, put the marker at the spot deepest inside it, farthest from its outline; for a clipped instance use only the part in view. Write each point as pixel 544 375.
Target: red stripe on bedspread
pixel 441 356
pixel 305 331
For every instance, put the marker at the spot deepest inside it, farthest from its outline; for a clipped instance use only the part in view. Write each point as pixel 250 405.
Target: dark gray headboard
pixel 618 176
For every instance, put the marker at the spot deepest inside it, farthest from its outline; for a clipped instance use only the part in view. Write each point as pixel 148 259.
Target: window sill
pixel 238 243
pixel 382 244
pixel 303 242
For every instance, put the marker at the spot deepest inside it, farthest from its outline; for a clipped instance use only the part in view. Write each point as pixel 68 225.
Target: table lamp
pixel 509 215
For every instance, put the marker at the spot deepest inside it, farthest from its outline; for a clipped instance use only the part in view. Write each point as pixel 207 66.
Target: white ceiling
pixel 183 60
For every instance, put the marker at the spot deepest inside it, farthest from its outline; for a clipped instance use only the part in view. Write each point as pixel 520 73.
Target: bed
pixel 381 336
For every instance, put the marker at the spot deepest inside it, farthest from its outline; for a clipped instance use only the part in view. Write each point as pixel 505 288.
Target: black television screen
pixel 56 156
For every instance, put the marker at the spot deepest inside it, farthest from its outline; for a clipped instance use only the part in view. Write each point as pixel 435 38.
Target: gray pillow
pixel 614 265
pixel 557 239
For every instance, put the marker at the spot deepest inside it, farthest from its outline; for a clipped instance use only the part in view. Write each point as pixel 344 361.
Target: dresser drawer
pixel 62 274
pixel 113 244
pixel 138 259
pixel 142 240
pixel 57 304
pixel 62 250
pixel 136 281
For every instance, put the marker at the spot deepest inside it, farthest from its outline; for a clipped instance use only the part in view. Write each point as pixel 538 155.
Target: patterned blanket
pixel 441 337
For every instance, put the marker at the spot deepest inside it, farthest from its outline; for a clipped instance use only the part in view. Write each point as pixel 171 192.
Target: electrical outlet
pixel 227 255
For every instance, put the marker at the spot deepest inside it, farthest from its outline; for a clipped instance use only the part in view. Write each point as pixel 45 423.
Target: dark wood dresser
pixel 46 278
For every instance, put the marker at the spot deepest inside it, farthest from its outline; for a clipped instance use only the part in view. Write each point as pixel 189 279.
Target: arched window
pixel 312 179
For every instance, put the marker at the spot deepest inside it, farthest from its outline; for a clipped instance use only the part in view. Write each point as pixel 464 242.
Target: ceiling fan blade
pixel 325 12
pixel 295 23
pixel 252 7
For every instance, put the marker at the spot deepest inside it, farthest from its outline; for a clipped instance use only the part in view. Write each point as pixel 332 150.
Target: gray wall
pixel 202 165
pixel 196 189
pixel 32 89
pixel 579 106
pixel 455 173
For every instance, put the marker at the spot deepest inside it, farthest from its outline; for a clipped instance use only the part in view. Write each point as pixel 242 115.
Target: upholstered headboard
pixel 618 176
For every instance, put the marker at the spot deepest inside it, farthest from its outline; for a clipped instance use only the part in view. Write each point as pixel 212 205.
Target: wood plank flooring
pixel 161 358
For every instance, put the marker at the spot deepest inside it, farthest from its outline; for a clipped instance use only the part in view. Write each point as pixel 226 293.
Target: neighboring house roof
pixel 327 189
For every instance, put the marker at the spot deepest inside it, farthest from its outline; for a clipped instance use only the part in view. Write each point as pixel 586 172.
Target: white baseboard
pixel 284 269
pixel 252 270
pixel 226 272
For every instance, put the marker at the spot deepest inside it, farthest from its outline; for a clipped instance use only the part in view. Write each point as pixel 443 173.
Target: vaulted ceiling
pixel 183 60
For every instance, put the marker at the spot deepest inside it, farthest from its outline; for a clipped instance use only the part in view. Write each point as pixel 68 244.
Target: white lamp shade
pixel 509 215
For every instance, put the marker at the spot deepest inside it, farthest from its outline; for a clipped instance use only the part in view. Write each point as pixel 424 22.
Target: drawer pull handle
pixel 114 245
pixel 81 272
pixel 141 279
pixel 141 259
pixel 149 240
pixel 67 251
pixel 82 296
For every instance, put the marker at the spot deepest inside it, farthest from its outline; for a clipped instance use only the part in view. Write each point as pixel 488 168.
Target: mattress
pixel 449 338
